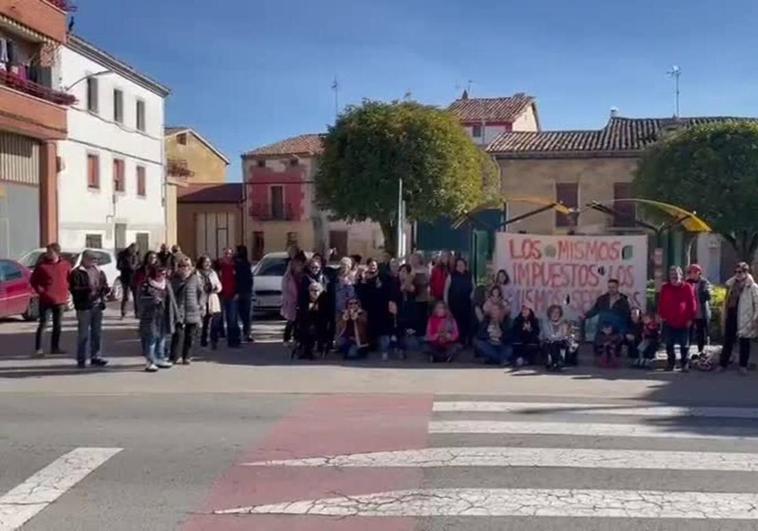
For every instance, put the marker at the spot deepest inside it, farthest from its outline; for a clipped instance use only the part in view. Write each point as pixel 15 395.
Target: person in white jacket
pixel 740 316
pixel 212 304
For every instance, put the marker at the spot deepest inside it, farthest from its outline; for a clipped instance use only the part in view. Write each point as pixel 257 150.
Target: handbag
pixel 214 304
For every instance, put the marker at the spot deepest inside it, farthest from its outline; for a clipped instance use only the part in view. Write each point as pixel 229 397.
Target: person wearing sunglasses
pixel 353 331
pixel 741 316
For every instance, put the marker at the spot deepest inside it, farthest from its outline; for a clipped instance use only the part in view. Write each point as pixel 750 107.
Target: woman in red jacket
pixel 677 308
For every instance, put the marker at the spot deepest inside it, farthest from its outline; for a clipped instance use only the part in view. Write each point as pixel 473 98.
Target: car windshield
pixel 272 267
pixel 32 259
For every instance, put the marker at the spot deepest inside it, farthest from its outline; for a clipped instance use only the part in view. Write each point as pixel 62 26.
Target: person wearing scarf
pixel 157 309
pixel 740 317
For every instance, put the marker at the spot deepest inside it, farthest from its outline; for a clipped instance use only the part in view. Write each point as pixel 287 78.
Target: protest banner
pixel 571 271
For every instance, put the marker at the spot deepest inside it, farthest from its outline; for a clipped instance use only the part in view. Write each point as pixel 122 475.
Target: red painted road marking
pixel 328 425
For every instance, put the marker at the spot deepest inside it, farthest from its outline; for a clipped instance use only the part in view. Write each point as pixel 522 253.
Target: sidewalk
pixel 265 367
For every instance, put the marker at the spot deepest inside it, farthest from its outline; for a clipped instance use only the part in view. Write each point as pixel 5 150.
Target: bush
pixel 717 304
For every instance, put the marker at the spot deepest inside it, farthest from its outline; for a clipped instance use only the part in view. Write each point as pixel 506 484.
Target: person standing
pixel 677 307
pixel 440 273
pixel 189 295
pixel 374 301
pixel 741 316
pixel 50 281
pixel 164 256
pixel 243 274
pixel 89 288
pixel 459 288
pixel 157 318
pixel 421 283
pixel 229 297
pixel 290 286
pixel 703 296
pixel 313 273
pixel 211 302
pixel 127 263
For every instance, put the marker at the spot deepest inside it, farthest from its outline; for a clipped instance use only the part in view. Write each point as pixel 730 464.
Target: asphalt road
pixel 227 445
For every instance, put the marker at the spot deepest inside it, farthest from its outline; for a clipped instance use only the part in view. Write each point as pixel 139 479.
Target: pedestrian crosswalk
pixel 558 460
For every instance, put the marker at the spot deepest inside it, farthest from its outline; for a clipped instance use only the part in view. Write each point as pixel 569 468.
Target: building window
pixel 626 211
pixel 93 241
pixel 93 171
pixel 294 162
pixel 140 115
pixel 476 131
pixel 259 245
pixel 141 185
pixel 182 139
pixel 261 163
pixel 277 202
pixel 119 178
pixel 566 194
pixel 291 239
pixel 118 106
pixel 92 95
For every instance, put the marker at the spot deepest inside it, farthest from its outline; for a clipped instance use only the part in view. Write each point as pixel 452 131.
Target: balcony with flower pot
pixel 40 19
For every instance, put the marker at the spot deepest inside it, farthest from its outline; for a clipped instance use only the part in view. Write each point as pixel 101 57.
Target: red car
pixel 16 294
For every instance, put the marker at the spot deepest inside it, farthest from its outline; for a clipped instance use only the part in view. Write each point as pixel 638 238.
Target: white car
pixel 267 282
pixel 105 259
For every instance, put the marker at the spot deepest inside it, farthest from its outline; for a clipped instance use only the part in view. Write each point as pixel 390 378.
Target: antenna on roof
pixel 675 72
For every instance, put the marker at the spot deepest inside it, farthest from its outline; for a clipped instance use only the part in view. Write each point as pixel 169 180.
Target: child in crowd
pixel 353 331
pixel 556 338
pixel 608 346
pixel 493 339
pixel 526 336
pixel 442 334
pixel 650 340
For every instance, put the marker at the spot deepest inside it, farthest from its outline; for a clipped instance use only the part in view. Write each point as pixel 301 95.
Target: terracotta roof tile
pixel 308 144
pixel 210 193
pixel 491 109
pixel 620 135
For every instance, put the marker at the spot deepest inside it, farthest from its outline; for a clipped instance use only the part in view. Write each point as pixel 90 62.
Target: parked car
pixel 105 259
pixel 267 282
pixel 16 294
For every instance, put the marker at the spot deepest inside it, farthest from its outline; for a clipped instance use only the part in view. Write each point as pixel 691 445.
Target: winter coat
pixel 305 283
pixel 703 296
pixel 227 274
pixel 313 320
pixel 407 312
pixel 523 336
pixel 344 290
pixel 50 281
pixel 243 276
pixel 437 325
pixel 551 331
pixel 157 310
pixel 747 308
pixel 373 296
pixel 458 290
pixel 483 333
pixel 211 286
pixel 361 329
pixel 82 292
pixel 438 282
pixel 677 305
pixel 290 286
pixel 127 264
pixel 618 316
pixel 190 298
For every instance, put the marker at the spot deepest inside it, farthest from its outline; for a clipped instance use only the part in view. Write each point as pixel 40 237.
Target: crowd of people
pixel 386 306
pixel 174 300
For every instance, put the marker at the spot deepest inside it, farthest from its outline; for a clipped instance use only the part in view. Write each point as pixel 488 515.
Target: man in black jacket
pixel 89 287
pixel 128 263
pixel 243 275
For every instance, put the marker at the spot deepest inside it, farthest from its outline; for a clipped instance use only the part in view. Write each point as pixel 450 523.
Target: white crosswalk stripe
pixel 655 439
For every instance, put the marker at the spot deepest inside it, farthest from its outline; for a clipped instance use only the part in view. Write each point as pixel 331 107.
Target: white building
pixel 111 184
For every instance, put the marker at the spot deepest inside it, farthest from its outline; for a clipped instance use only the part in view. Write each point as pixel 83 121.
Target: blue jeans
pixel 674 337
pixel 89 326
pixel 245 310
pixel 493 353
pixel 232 326
pixel 153 348
pixel 401 343
pixel 350 350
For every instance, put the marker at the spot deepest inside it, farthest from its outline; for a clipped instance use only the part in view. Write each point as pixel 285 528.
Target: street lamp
pixel 88 76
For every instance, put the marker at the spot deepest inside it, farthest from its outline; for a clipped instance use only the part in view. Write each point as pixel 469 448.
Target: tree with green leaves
pixel 712 170
pixel 374 145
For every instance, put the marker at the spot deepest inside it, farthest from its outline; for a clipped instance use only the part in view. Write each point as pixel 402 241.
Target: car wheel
pixel 32 312
pixel 117 291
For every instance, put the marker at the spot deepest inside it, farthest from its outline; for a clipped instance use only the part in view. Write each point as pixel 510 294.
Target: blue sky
pixel 249 72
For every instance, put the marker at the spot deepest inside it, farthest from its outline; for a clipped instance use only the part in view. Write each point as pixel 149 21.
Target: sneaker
pixel 151 367
pixel 743 371
pixel 385 356
pixel 164 364
pixel 97 361
pixel 519 362
pixel 39 353
pixel 186 361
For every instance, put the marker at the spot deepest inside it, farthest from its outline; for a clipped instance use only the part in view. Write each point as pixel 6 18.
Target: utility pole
pixel 336 89
pixel 400 219
pixel 675 72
